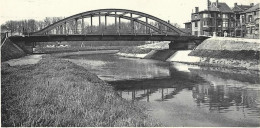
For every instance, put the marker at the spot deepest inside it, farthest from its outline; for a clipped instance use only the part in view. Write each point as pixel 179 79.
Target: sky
pixel 177 11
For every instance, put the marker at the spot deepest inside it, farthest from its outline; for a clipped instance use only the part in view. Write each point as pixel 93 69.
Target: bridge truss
pixel 61 27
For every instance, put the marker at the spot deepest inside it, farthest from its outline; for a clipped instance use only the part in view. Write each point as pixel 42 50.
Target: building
pixel 240 21
pixel 188 28
pixel 239 17
pixel 250 22
pixel 218 17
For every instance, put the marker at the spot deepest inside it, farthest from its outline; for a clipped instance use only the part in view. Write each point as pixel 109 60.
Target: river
pixel 179 94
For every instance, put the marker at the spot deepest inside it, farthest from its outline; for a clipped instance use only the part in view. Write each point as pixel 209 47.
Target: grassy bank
pixel 76 49
pixel 56 92
pixel 237 55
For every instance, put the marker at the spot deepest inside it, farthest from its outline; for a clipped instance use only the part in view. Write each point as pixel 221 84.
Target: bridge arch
pixel 117 13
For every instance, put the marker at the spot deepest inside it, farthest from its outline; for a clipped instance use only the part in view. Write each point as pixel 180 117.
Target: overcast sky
pixel 177 11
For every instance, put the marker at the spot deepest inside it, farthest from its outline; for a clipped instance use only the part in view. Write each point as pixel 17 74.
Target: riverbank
pixel 228 52
pixel 56 92
pixel 134 52
pixel 214 52
pixel 75 49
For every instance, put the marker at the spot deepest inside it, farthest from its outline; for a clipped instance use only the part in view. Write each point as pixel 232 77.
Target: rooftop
pixel 222 7
pixel 254 8
pixel 241 8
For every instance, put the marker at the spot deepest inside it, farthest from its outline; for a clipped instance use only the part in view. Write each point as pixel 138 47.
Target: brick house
pixel 250 22
pixel 240 18
pixel 217 18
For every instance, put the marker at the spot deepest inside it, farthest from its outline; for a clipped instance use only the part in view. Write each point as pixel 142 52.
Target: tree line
pixel 23 27
pixel 26 26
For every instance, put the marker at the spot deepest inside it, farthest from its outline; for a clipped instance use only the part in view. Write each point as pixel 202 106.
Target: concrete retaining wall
pixel 162 55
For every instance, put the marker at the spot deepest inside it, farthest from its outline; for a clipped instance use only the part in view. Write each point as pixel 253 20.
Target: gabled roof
pixel 254 8
pixel 241 8
pixel 222 7
pixel 244 7
pixel 237 9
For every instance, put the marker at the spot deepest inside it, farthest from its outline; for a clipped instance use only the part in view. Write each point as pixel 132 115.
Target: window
pixel 219 23
pixel 195 16
pixel 249 18
pixel 243 19
pixel 248 30
pixel 225 23
pixel 205 15
pixel 196 24
pixel 253 30
pixel 231 24
pixel 205 23
pixel 225 15
pixel 196 33
pixel 254 13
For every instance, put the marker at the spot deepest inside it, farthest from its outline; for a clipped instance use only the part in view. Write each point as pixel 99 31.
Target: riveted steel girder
pixel 109 12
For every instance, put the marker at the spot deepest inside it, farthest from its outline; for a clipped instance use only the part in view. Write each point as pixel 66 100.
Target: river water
pixel 179 94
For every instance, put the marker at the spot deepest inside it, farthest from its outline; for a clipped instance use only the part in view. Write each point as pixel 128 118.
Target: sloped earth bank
pixel 56 92
pixel 9 50
pixel 229 52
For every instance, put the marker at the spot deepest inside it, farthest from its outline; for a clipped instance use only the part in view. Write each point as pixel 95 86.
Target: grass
pixel 238 55
pixel 56 92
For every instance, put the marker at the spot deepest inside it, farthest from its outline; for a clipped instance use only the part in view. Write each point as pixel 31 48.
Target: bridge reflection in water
pixel 216 90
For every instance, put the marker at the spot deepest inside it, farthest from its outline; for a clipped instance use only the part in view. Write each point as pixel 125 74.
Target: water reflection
pixel 232 93
pixel 112 68
pixel 226 94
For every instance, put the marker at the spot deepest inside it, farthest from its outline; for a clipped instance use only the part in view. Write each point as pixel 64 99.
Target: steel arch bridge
pixel 155 29
pixel 162 27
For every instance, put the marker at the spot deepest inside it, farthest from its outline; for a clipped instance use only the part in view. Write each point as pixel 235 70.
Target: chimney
pixel 217 3
pixel 208 4
pixel 196 9
pixel 235 4
pixel 251 4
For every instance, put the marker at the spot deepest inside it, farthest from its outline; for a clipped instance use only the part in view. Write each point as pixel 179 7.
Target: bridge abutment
pixel 182 45
pixel 178 45
pixel 27 47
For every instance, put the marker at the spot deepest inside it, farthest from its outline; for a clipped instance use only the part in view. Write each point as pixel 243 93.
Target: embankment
pixel 133 52
pixel 229 52
pixel 160 54
pixel 156 51
pixel 9 50
pixel 56 93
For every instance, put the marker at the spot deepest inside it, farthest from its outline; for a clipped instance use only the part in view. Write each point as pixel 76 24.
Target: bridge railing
pixel 4 36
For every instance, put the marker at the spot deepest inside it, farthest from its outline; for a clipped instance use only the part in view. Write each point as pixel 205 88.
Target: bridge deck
pixel 144 37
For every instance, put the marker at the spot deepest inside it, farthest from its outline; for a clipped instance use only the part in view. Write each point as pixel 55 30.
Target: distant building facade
pixel 219 18
pixel 240 19
pixel 250 22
